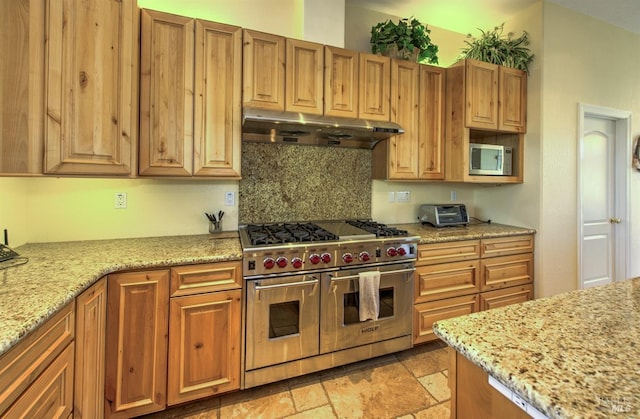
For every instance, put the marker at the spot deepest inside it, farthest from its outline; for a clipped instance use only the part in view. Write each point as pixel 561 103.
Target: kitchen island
pixel 573 355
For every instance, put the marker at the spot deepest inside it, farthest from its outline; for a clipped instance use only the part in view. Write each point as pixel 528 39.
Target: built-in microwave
pixel 490 159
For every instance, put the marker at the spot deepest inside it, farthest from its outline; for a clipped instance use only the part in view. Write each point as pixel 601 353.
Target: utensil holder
pixel 215 227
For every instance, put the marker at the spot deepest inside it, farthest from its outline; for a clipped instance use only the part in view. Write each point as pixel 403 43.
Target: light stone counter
pixel 57 272
pixel 430 234
pixel 573 355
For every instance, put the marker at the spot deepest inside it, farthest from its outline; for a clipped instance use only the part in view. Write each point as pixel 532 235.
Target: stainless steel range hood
pixel 260 125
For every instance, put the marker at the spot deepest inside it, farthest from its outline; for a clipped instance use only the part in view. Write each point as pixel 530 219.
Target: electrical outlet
pixel 392 197
pixel 454 196
pixel 403 196
pixel 121 200
pixel 229 198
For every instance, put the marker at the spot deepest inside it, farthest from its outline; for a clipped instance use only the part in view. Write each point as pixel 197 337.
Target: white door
pixel 602 199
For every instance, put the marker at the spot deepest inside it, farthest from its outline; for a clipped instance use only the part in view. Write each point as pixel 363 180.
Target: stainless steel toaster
pixel 443 215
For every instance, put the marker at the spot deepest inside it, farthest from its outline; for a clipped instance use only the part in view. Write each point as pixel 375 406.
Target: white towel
pixel 368 288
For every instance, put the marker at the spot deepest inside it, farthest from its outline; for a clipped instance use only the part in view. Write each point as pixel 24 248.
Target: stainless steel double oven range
pixel 301 301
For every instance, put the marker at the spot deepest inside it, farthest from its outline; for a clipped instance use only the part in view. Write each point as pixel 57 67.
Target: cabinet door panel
pixel 204 347
pixel 425 314
pixel 481 95
pixel 513 100
pixel 263 70
pixel 51 394
pixel 502 246
pixel 166 94
pixel 198 279
pixel 434 282
pixel 429 254
pixel 340 82
pixel 403 148
pixel 218 66
pixel 506 271
pixel 375 87
pixel 91 63
pixel 91 319
pixel 303 77
pixel 506 296
pixel 431 117
pixel 137 323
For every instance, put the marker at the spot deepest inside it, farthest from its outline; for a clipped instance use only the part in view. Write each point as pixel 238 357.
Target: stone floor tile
pixel 273 405
pixel 322 412
pixel 425 359
pixel 382 392
pixel 309 396
pixel 439 411
pixel 437 385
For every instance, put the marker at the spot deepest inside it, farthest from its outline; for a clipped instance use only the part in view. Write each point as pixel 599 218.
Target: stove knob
pixel 392 252
pixel 296 263
pixel 347 258
pixel 402 251
pixel 281 262
pixel 326 257
pixel 364 256
pixel 314 259
pixel 268 263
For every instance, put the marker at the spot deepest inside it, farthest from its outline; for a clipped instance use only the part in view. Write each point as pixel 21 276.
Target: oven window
pixel 284 319
pixel 351 307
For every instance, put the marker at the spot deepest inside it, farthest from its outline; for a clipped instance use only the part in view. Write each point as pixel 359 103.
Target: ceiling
pixel 465 16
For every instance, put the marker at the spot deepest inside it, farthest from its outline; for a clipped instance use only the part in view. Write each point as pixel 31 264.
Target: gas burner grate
pixel 265 234
pixel 380 230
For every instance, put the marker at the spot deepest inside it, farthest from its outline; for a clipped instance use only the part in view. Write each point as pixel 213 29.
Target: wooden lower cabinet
pixel 473 397
pixel 505 296
pixel 34 366
pixel 204 350
pixel 136 363
pixel 426 314
pixel 91 323
pixel 460 277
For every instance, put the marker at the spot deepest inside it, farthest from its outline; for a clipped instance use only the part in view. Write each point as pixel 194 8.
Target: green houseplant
pixel 406 39
pixel 492 47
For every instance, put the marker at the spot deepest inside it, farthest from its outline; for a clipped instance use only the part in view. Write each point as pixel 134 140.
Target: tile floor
pixel 408 384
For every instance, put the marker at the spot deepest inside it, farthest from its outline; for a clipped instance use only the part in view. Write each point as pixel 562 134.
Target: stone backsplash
pixel 285 183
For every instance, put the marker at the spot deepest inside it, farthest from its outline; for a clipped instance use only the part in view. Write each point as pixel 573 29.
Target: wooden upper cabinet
pixel 417 105
pixel 304 77
pixel 496 97
pixel 166 94
pixel 403 148
pixel 91 84
pixel 375 87
pixel 263 70
pixel 340 82
pixel 22 86
pixel 431 126
pixel 218 91
pixel 512 102
pixel 481 95
pixel 190 96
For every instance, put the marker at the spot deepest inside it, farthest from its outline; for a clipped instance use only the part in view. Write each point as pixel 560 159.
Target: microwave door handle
pixel 499 158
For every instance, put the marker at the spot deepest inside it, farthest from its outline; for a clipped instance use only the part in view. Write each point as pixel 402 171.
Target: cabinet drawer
pixel 506 271
pixel 51 394
pixel 425 314
pixel 434 282
pixel 196 279
pixel 506 246
pixel 506 296
pixel 25 362
pixel 429 254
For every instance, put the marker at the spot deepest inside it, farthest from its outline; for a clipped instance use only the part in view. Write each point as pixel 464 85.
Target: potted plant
pixel 408 39
pixel 492 47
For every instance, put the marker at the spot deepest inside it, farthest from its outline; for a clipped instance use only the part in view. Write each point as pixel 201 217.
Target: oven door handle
pixel 398 271
pixel 290 284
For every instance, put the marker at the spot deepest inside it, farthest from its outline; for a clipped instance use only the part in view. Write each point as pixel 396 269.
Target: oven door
pixel 340 324
pixel 282 319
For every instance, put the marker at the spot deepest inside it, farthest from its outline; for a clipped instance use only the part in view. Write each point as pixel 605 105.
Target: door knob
pixel 615 220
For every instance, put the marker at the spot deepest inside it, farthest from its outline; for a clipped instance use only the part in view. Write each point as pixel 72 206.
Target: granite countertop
pixel 57 272
pixel 430 234
pixel 573 355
